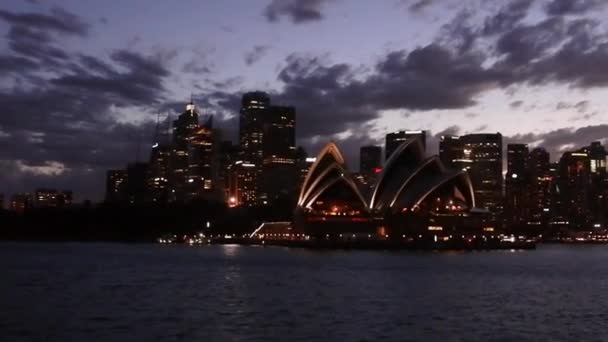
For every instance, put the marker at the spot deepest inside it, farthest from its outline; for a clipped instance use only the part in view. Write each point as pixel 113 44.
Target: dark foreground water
pixel 115 292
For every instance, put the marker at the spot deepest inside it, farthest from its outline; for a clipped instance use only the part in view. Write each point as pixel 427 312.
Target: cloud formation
pixel 75 101
pixel 257 53
pixel 297 11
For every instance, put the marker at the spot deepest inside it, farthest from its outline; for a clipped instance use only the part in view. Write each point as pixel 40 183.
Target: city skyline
pixel 101 91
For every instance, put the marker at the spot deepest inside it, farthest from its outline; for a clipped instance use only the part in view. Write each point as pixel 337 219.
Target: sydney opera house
pixel 413 195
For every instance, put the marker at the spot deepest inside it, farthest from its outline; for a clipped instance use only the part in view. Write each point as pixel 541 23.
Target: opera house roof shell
pixel 407 180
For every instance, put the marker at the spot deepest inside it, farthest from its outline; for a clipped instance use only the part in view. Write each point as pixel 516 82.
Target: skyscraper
pixel 242 185
pixel 136 187
pixel 278 154
pixel 370 159
pixel 541 183
pixel 159 167
pixel 228 155
pixel 451 153
pixel 485 153
pixel 158 173
pixel 202 156
pixel 575 187
pixel 267 140
pixel 370 165
pixel 303 164
pixel 598 201
pixel 394 139
pixel 517 184
pixel 193 161
pixel 183 129
pixel 481 156
pixel 254 106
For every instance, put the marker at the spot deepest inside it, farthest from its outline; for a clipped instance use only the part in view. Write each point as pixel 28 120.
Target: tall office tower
pixel 228 155
pixel 254 106
pixel 370 159
pixel 541 182
pixel 517 184
pixel 20 202
pixel 278 155
pixel 158 174
pixel 267 140
pixel 393 140
pixel 183 129
pixel 52 198
pixel 370 166
pixel 157 181
pixel 451 153
pixel 481 156
pixel 303 164
pixel 136 187
pixel 575 187
pixel 202 173
pixel 116 186
pixel 484 151
pixel 598 193
pixel 242 184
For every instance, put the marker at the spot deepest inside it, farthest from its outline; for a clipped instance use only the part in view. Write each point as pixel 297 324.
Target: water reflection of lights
pixel 230 249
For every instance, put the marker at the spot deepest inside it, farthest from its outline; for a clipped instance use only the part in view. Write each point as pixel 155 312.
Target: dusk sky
pixel 82 81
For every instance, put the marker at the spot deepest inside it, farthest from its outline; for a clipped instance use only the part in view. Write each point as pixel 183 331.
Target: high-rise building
pixel 485 152
pixel 267 140
pixel 278 155
pixel 394 139
pixel 481 156
pixel 136 182
pixel 254 106
pixel 183 129
pixel 52 198
pixel 370 166
pixel 598 193
pixel 158 173
pixel 517 184
pixel 575 187
pixel 202 156
pixel 451 153
pixel 242 185
pixel 228 155
pixel 20 202
pixel 159 167
pixel 193 162
pixel 116 186
pixel 370 159
pixel 303 164
pixel 541 183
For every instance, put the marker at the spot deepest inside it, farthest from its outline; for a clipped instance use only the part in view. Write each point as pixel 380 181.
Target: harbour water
pixel 130 292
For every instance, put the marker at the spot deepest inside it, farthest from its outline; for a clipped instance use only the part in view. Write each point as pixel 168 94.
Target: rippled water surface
pixel 116 292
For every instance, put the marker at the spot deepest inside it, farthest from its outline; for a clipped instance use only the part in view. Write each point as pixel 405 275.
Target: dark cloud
pixel 71 99
pixel 516 104
pixel 507 17
pixel 298 11
pixel 58 21
pixel 419 5
pixel 256 54
pixel 562 7
pixel 71 120
pixel 16 64
pixel 565 139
